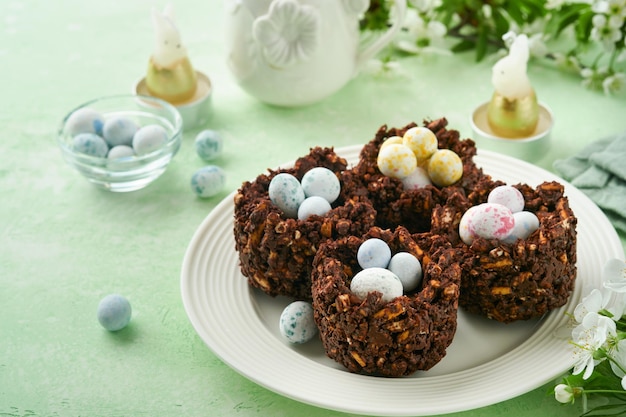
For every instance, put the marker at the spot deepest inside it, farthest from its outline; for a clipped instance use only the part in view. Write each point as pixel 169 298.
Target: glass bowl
pixel 126 173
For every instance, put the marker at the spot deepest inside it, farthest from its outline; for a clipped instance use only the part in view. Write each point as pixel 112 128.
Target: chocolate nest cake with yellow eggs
pixel 316 258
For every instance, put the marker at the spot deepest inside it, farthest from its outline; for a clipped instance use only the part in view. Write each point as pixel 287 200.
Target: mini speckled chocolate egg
pixel 120 151
pixel 466 233
pixel 397 161
pixel 445 168
pixel 296 322
pixel 286 193
pixel 90 144
pixel 422 141
pixel 392 140
pixel 417 179
pixel 209 144
pixel 373 253
pixel 208 181
pixel 321 182
pixel 149 138
pixel 376 279
pixel 114 312
pixel 525 224
pixel 491 221
pixel 84 120
pixel 507 196
pixel 313 205
pixel 407 268
pixel 119 130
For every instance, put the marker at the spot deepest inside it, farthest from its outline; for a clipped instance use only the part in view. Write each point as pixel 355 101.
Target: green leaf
pixel 584 26
pixel 481 43
pixel 462 46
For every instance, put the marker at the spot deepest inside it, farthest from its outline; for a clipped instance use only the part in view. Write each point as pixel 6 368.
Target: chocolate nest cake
pixel 276 253
pixel 393 338
pixel 316 259
pixel 526 279
pixel 412 209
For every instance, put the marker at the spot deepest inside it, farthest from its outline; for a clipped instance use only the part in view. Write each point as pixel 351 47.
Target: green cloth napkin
pixel 599 170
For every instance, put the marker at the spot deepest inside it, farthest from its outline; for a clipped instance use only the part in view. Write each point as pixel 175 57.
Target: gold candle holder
pixel 174 84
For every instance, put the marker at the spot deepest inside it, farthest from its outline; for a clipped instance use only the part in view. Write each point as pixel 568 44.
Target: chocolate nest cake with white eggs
pixel 386 338
pixel 275 251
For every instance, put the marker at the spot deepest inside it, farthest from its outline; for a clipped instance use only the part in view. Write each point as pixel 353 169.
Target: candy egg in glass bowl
pixel 121 143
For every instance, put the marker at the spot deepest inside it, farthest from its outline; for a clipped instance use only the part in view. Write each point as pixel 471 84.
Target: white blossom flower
pixel 288 34
pixel 592 303
pixel 383 68
pixel 588 337
pixel 564 394
pixel 604 32
pixel 614 83
pixel 618 364
pixel 624 382
pixel 421 35
pixel 426 6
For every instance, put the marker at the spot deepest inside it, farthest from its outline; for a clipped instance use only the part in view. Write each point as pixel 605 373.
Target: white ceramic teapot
pixel 296 52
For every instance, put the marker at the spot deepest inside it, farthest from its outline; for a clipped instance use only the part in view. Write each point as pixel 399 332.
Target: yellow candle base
pixel 515 118
pixel 174 84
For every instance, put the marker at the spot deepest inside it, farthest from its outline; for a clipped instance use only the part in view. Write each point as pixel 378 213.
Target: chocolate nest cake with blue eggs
pixel 387 338
pixel 276 252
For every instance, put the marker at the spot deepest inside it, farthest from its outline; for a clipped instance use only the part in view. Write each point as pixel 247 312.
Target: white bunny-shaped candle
pixel 513 111
pixel 170 75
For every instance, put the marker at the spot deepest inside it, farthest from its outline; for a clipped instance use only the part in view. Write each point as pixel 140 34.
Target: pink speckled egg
pixel 466 228
pixel 492 221
pixel 507 196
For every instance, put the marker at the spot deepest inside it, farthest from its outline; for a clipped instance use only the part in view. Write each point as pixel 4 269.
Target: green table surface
pixel 65 244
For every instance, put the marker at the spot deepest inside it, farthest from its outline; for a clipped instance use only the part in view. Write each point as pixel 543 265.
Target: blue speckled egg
pixel 119 130
pixel 374 253
pixel 208 181
pixel 149 138
pixel 525 224
pixel 90 144
pixel 286 193
pixel 209 144
pixel 322 182
pixel 120 151
pixel 313 205
pixel 84 120
pixel 114 312
pixel 376 279
pixel 296 322
pixel 407 268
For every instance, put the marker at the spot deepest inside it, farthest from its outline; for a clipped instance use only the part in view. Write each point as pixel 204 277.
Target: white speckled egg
pixel 90 144
pixel 120 151
pixel 466 233
pixel 208 144
pixel 119 130
pixel 149 138
pixel 374 253
pixel 322 182
pixel 397 161
pixel 392 140
pixel 376 279
pixel 208 181
pixel 492 221
pixel 407 268
pixel 507 196
pixel 525 224
pixel 286 193
pixel 296 322
pixel 84 120
pixel 422 141
pixel 445 168
pixel 417 179
pixel 313 205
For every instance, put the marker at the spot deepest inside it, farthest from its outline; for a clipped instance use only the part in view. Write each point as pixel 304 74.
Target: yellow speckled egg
pixel 397 140
pixel 396 161
pixel 445 167
pixel 422 141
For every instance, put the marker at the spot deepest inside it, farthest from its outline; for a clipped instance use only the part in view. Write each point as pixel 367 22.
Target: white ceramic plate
pixel 487 362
